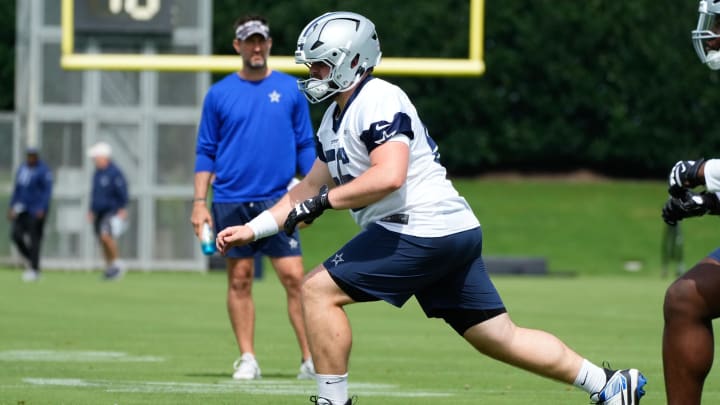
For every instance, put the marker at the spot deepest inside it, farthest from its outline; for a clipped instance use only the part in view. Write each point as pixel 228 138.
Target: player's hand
pixel 685 174
pixel 233 236
pixel 686 206
pixel 307 210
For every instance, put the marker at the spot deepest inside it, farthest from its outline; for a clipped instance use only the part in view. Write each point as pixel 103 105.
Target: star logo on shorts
pixel 338 259
pixel 274 96
pixel 293 243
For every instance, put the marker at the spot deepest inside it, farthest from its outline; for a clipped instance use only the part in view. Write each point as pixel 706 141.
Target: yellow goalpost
pixel 473 65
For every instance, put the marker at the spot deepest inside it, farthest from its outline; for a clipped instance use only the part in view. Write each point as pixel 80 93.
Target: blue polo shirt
pixel 255 136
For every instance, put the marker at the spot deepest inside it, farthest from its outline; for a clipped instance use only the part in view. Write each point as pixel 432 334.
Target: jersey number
pixel 339 156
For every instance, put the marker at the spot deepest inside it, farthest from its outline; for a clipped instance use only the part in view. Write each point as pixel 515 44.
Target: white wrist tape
pixel 263 225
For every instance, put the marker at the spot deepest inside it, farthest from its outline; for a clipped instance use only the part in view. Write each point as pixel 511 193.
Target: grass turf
pixel 588 228
pixel 163 338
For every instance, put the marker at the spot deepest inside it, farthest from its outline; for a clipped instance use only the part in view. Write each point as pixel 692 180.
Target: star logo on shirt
pixel 338 259
pixel 274 96
pixel 293 243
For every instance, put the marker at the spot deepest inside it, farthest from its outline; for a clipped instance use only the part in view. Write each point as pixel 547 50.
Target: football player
pixel 419 236
pixel 693 300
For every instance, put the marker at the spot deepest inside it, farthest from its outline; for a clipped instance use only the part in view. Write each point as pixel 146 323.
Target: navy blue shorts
pixel 231 214
pixel 715 254
pixel 443 273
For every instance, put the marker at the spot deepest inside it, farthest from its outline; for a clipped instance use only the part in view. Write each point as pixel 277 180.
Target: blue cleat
pixel 623 387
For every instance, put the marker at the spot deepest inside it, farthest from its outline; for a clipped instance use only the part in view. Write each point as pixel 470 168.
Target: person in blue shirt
pixel 254 136
pixel 108 202
pixel 29 207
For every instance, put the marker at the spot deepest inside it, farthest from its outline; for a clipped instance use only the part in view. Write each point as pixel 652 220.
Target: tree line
pixel 610 86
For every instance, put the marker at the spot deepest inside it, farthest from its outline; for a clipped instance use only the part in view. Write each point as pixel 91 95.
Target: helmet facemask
pixel 706 36
pixel 317 90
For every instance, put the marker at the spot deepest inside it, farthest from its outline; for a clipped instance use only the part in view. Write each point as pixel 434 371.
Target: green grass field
pixel 164 338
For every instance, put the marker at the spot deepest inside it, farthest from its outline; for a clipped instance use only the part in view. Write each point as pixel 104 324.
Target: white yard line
pixel 258 387
pixel 74 356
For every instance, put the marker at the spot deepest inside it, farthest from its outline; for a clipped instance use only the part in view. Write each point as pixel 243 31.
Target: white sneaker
pixel 307 370
pixel 246 368
pixel 30 275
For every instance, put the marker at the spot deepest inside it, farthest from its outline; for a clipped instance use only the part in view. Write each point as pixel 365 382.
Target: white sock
pixel 333 388
pixel 591 378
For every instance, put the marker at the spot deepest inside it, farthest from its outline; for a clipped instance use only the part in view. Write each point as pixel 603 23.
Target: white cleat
pixel 246 368
pixel 624 387
pixel 30 275
pixel 307 370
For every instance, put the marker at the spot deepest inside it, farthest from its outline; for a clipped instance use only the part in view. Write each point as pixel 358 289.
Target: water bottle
pixel 207 239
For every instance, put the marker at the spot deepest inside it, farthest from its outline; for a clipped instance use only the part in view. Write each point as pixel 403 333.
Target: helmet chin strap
pixel 713 60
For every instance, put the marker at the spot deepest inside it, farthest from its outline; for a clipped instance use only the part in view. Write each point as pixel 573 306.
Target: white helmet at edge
pixel 346 42
pixel 708 29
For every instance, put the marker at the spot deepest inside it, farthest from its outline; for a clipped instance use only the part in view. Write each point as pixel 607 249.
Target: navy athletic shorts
pixel 443 273
pixel 231 214
pixel 715 254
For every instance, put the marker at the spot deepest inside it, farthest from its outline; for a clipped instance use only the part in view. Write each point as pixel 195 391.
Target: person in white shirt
pixel 419 236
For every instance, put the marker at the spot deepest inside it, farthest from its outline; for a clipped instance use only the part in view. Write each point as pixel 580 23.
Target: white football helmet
pixel 346 42
pixel 708 28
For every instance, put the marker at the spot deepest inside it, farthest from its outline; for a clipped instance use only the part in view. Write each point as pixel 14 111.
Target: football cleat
pixel 324 401
pixel 307 370
pixel 623 387
pixel 246 368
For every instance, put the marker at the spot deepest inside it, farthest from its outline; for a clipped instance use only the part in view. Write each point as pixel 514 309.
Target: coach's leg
pixel 691 303
pixel 109 248
pixel 20 227
pixel 36 236
pixel 241 308
pixel 532 350
pixel 290 272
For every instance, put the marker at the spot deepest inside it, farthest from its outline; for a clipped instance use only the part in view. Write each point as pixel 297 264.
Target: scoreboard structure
pixel 124 17
pixel 152 17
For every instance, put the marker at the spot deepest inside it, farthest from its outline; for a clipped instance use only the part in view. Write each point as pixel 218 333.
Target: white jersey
pixel 712 175
pixel 427 205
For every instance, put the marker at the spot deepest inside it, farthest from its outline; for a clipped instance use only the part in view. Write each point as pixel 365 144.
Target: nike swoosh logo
pixel 382 127
pixel 335 381
pixel 584 380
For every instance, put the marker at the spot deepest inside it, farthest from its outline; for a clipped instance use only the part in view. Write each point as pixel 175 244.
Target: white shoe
pixel 246 368
pixel 30 275
pixel 307 370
